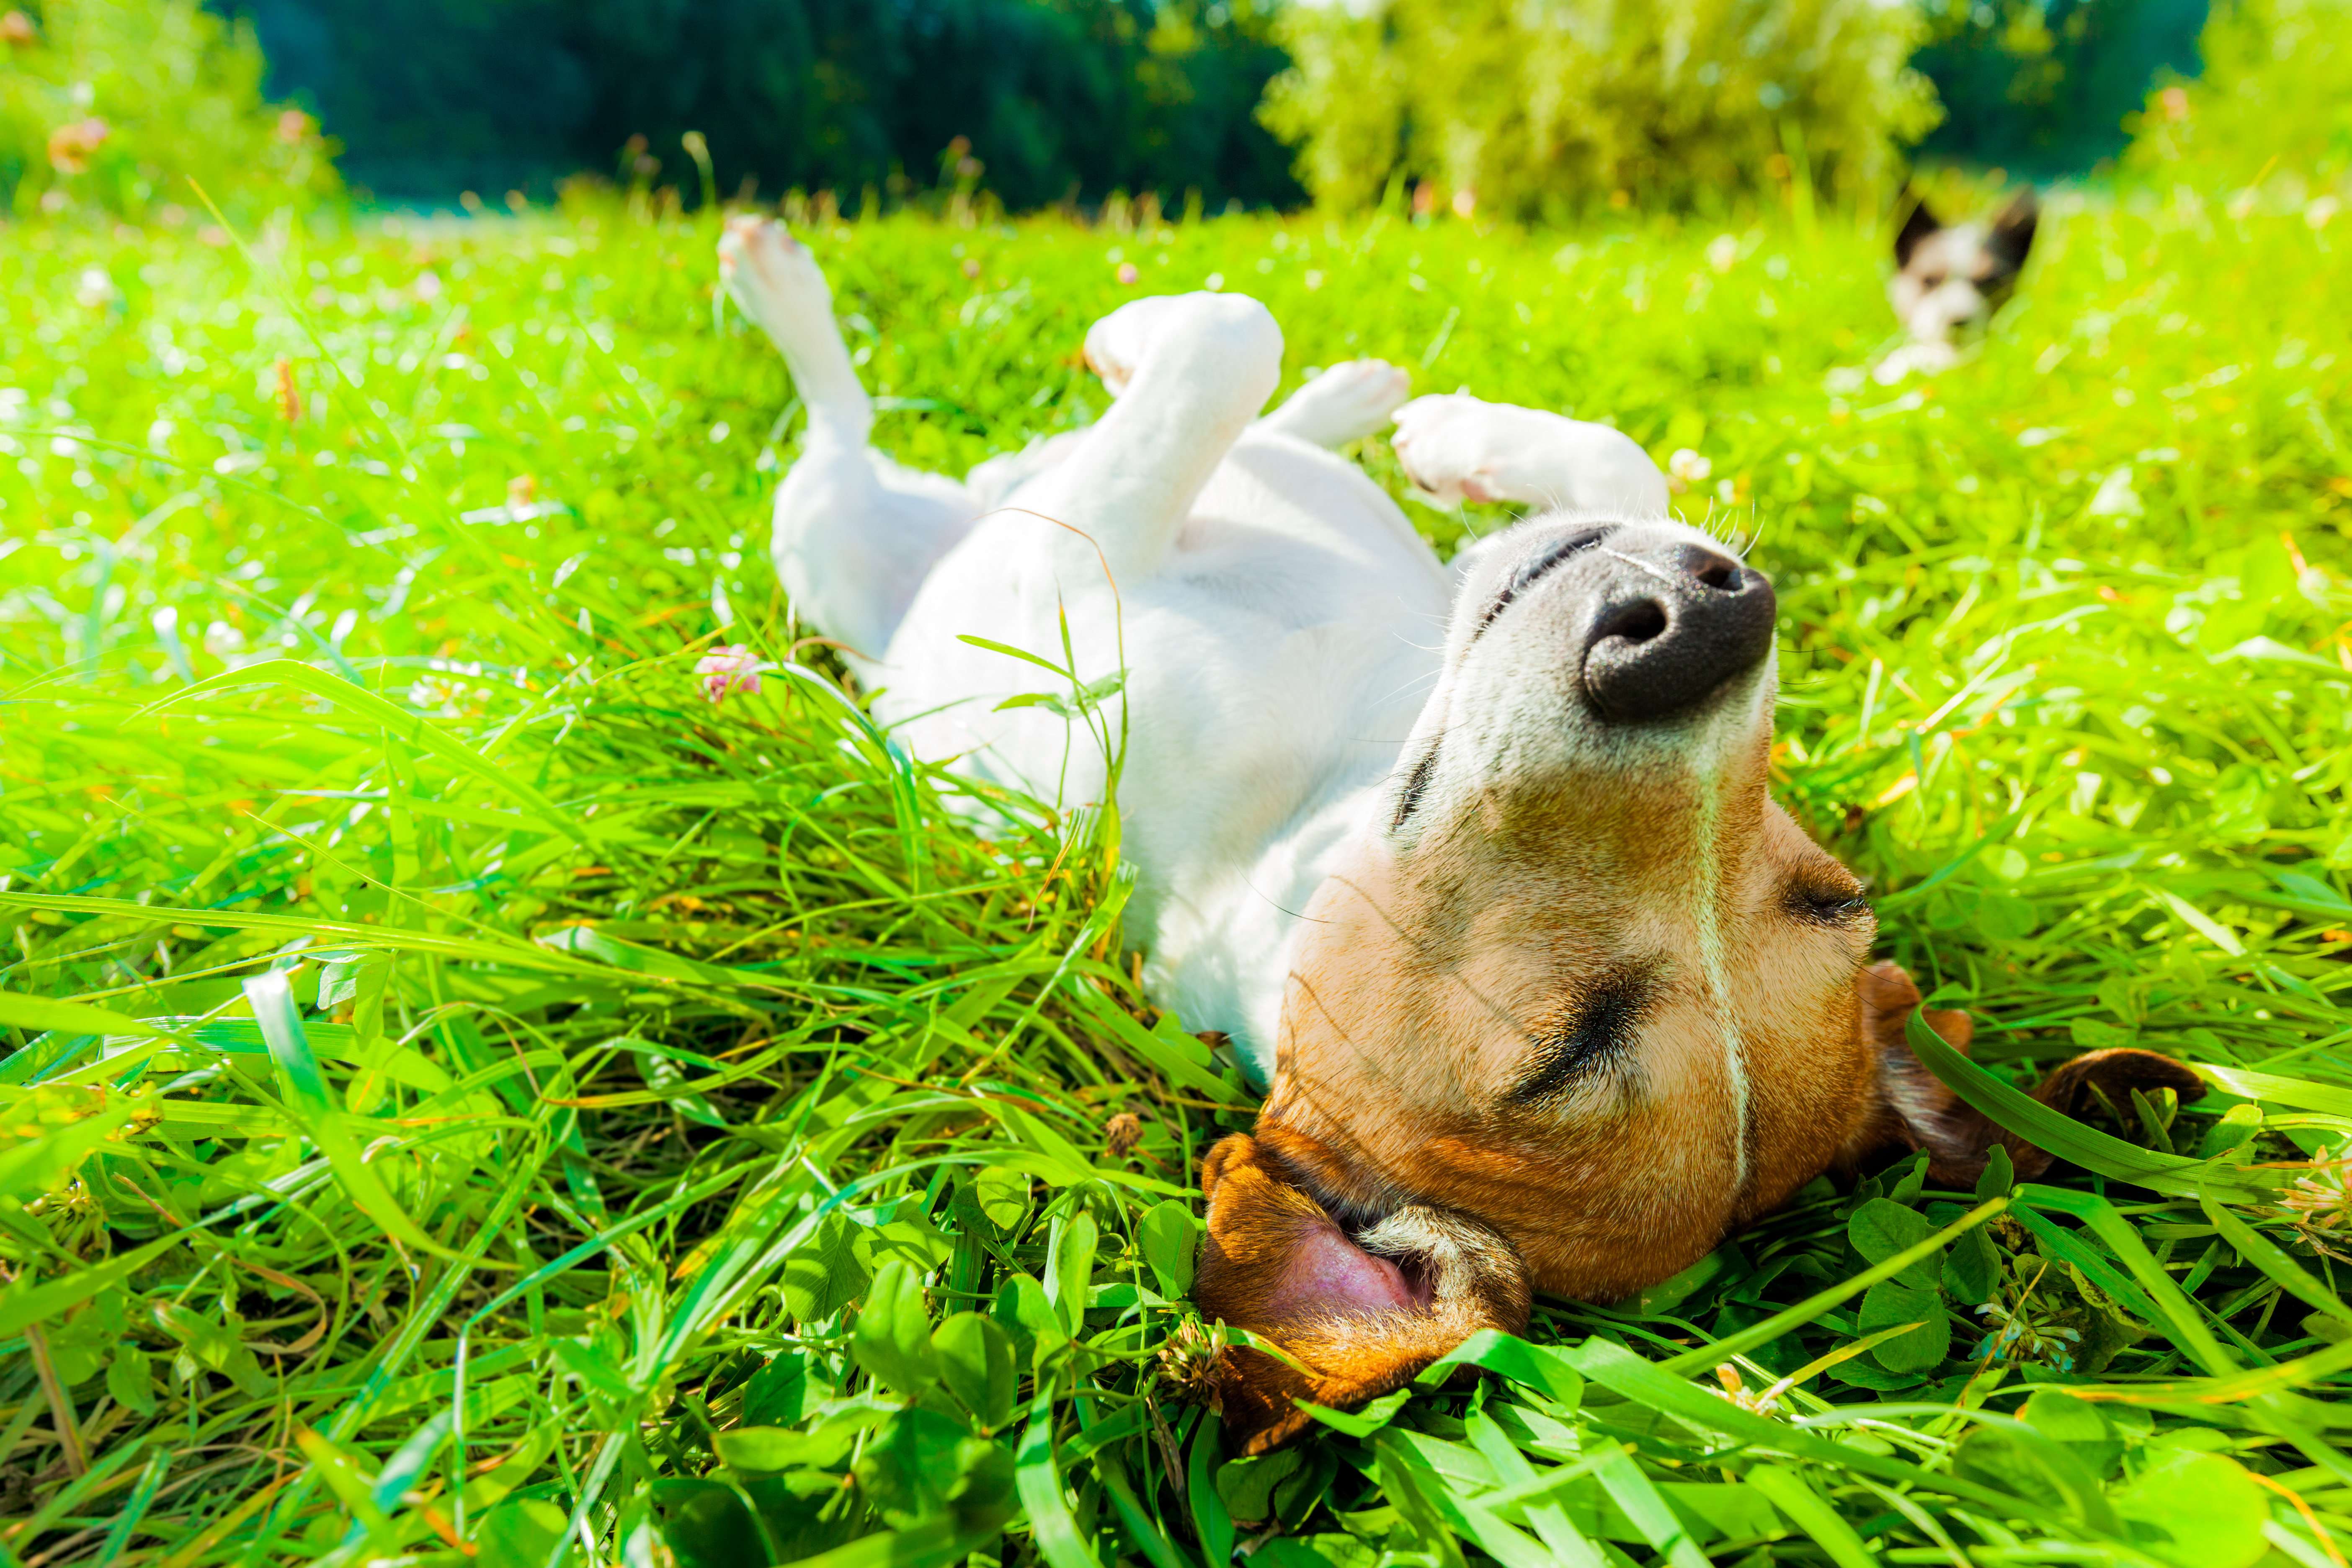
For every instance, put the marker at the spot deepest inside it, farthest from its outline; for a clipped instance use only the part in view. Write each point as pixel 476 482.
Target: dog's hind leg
pixel 1189 372
pixel 854 533
pixel 1344 404
pixel 779 287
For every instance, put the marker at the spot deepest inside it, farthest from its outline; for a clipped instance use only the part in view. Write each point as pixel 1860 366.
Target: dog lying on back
pixel 1477 865
pixel 1948 280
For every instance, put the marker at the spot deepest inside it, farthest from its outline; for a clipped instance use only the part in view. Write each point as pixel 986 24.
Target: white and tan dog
pixel 1477 865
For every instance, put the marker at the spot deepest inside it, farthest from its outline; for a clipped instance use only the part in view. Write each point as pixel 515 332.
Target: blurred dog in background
pixel 1948 280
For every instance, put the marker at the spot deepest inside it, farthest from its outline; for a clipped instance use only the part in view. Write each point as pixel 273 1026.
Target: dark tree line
pixel 1058 98
pixel 2041 88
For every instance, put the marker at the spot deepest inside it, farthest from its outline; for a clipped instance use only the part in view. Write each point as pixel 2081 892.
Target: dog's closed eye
pixel 1829 906
pixel 1598 1026
pixel 1525 577
pixel 1414 787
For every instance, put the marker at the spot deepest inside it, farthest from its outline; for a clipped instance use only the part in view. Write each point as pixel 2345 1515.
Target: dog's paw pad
pixel 1445 444
pixel 770 274
pixel 1109 367
pixel 1116 345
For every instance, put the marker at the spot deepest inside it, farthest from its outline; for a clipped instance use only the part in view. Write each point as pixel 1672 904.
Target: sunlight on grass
pixel 470 1086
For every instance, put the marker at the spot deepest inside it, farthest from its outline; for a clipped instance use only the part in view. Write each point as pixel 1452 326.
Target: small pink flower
pixel 729 668
pixel 1126 272
pixel 72 146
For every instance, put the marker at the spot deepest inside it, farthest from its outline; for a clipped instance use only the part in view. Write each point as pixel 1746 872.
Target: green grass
pixel 467 1086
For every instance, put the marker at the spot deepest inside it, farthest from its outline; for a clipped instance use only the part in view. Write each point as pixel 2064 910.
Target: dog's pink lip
pixel 1330 1275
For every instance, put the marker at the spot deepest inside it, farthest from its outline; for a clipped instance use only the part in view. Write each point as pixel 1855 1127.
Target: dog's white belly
pixel 1276 661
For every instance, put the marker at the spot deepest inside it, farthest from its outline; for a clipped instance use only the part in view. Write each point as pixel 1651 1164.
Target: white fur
pixel 1282 624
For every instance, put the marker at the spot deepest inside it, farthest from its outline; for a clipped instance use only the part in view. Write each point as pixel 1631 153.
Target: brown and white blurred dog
pixel 1949 279
pixel 1479 867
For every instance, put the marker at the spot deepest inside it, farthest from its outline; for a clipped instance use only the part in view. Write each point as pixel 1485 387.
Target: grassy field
pixel 475 1097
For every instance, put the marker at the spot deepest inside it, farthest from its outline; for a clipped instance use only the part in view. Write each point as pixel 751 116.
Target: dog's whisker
pixel 1639 565
pixel 1276 904
pixel 1424 681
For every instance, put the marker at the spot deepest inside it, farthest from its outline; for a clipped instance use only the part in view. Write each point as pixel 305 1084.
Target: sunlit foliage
pixel 1554 109
pixel 2276 97
pixel 115 104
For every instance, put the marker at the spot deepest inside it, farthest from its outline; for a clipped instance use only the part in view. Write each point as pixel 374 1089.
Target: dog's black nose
pixel 1671 626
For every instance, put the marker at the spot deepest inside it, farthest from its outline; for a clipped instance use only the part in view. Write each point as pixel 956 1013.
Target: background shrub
pixel 116 102
pixel 1541 111
pixel 2276 94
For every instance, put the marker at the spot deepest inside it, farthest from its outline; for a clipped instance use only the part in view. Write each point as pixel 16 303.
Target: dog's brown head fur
pixel 1587 1000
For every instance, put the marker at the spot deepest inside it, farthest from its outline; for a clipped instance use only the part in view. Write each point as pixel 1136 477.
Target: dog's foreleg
pixel 1456 448
pixel 1344 404
pixel 1190 371
pixel 854 533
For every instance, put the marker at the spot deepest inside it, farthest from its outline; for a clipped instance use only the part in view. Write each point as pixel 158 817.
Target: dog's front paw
pixel 1344 404
pixel 772 276
pixel 1930 358
pixel 1456 447
pixel 1117 344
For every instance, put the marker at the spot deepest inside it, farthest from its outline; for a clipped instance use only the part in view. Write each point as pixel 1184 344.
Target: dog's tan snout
pixel 1668 625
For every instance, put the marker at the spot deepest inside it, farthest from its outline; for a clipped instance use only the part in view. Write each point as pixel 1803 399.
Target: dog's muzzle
pixel 1670 624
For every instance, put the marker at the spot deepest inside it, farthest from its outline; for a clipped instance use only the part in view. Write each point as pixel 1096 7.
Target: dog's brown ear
pixel 1361 1313
pixel 1918 225
pixel 1918 1111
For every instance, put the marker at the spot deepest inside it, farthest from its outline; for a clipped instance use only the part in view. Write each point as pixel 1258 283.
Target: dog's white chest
pixel 1275 664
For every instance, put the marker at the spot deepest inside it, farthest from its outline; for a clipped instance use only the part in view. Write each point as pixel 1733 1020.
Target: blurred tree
pixel 1058 97
pixel 2276 96
pixel 2042 87
pixel 1542 108
pixel 115 103
pixel 435 95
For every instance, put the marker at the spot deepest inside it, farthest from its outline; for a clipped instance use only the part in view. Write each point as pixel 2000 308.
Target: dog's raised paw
pixel 772 276
pixel 1344 404
pixel 1452 448
pixel 1914 359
